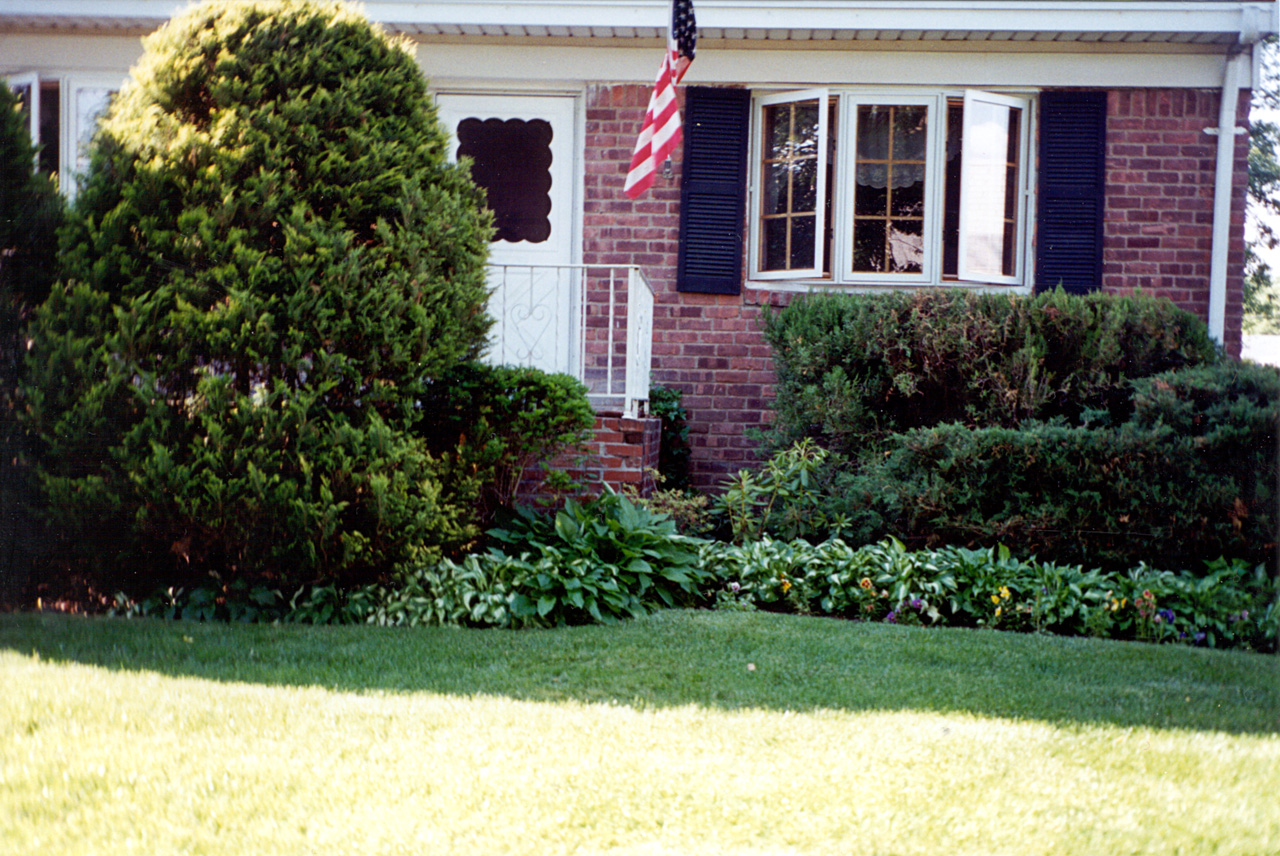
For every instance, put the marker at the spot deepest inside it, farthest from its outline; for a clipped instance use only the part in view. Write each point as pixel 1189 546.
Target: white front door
pixel 522 152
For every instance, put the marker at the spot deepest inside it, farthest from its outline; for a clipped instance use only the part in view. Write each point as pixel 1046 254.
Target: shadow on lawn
pixel 718 660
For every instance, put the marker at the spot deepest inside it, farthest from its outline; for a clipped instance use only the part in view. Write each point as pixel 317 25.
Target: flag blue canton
pixel 684 28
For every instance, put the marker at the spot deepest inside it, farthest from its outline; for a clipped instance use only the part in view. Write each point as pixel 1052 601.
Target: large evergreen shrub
pixel 269 260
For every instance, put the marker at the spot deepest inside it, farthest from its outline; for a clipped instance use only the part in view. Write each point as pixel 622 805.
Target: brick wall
pixel 622 453
pixel 1160 168
pixel 1158 233
pixel 707 346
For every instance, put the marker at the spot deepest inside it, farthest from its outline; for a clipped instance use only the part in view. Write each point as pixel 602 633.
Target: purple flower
pixel 734 587
pixel 917 604
pixel 1199 638
pixel 892 617
pixel 1167 614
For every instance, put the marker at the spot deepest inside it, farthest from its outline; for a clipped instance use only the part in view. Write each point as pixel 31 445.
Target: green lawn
pixel 683 733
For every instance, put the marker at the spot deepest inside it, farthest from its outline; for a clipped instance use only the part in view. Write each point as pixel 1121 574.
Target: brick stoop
pixel 622 453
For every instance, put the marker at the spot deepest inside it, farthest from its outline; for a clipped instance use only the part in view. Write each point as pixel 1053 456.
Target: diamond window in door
pixel 511 160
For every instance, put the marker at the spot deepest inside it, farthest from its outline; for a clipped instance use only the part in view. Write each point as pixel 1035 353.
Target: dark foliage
pixel 30 211
pixel 673 453
pixel 499 423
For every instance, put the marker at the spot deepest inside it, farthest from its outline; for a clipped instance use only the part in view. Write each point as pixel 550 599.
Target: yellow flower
pixel 995 598
pixel 865 583
pixel 786 585
pixel 999 609
pixel 1004 593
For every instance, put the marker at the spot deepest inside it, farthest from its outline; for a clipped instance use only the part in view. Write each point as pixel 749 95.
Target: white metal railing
pixel 576 319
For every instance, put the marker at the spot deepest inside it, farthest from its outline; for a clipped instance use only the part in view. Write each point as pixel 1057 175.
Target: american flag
pixel 660 133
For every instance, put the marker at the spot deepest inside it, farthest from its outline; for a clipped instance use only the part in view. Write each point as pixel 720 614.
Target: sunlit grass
pixel 654 737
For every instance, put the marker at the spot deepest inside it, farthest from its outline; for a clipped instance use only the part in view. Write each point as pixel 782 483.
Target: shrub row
pixel 1190 476
pixel 853 368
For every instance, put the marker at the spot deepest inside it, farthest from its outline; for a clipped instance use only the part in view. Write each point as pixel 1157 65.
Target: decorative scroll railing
pixel 594 322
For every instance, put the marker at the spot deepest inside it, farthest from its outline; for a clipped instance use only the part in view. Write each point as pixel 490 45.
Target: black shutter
pixel 1073 134
pixel 713 190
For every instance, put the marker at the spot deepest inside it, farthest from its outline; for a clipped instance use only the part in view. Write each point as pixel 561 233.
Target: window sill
pixel 803 286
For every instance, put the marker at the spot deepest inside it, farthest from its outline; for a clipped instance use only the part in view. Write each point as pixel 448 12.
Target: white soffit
pixel 1135 21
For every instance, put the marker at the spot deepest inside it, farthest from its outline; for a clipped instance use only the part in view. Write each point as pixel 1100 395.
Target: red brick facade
pixel 1159 204
pixel 1159 209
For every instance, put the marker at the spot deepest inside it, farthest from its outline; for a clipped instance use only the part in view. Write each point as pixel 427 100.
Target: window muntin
pixel 907 202
pixel 792 202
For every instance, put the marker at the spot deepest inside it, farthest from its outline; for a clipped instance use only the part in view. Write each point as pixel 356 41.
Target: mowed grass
pixel 682 733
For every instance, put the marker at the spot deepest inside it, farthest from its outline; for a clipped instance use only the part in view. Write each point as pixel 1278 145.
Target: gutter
pixel 1238 59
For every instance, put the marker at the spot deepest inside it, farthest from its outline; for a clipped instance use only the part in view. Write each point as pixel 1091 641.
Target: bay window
pixel 854 188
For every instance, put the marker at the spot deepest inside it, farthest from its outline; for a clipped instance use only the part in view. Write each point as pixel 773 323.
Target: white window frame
pixel 76 125
pixel 842 238
pixel 822 96
pixel 31 80
pixel 971 184
pixel 842 276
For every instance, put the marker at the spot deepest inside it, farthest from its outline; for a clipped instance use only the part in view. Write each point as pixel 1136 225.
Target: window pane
pixel 511 160
pixel 906 246
pixel 869 246
pixel 805 138
pixel 775 244
pixel 90 103
pixel 951 190
pixel 775 189
pixel 50 127
pixel 910 137
pixel 989 189
pixel 874 131
pixel 802 234
pixel 889 192
pixel 777 131
pixel 872 194
pixel 804 185
pixel 908 190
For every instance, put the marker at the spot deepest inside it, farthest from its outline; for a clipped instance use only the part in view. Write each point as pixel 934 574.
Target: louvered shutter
pixel 1072 185
pixel 713 190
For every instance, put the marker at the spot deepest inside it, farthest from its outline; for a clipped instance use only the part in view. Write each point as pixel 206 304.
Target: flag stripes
pixel 661 131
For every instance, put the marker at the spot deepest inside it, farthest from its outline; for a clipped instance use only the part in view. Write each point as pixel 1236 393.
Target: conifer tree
pixel 269 260
pixel 30 210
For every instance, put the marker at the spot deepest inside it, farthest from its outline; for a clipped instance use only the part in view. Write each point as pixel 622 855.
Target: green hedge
pixel 1190 476
pixel 1094 496
pixel 854 367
